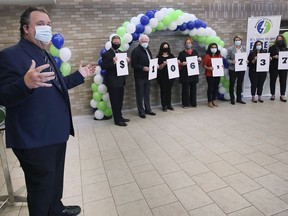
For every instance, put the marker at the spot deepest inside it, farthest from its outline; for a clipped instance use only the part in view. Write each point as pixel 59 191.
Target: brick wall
pixel 87 24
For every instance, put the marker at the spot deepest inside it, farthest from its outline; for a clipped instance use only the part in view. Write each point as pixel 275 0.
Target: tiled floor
pixel 229 160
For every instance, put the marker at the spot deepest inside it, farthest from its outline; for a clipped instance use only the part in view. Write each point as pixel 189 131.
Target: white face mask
pixel 259 47
pixel 43 34
pixel 237 43
pixel 144 45
pixel 213 50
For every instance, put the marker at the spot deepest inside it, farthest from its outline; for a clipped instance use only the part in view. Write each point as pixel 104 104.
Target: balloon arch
pixel 152 21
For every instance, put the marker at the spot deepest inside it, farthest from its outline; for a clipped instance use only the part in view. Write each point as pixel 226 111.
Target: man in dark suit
pixel 38 119
pixel 140 58
pixel 114 83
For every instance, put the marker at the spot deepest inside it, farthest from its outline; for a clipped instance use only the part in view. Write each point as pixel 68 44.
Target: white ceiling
pixel 27 2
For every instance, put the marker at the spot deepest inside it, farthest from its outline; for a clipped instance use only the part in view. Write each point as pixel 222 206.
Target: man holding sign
pixel 140 58
pixel 116 68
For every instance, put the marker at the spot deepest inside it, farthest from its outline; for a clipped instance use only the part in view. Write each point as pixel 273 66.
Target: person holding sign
pixel 189 82
pixel 233 73
pixel 165 83
pixel 212 81
pixel 113 81
pixel 140 58
pixel 257 79
pixel 279 46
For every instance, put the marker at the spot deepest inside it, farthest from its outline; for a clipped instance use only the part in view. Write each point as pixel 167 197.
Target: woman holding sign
pixel 189 82
pixel 212 81
pixel 257 79
pixel 279 46
pixel 165 83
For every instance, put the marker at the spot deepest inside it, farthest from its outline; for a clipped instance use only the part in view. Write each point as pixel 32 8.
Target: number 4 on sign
pixel 283 61
pixel 153 69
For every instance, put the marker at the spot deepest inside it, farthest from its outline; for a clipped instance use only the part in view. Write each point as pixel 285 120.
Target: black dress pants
pixel 239 75
pixel 116 98
pixel 257 80
pixel 282 79
pixel 142 87
pixel 213 84
pixel 44 170
pixel 165 91
pixel 189 94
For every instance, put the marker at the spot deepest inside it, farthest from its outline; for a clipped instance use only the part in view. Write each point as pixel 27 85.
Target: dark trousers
pixel 282 79
pixel 213 84
pixel 165 92
pixel 116 98
pixel 142 87
pixel 189 92
pixel 257 80
pixel 44 169
pixel 239 75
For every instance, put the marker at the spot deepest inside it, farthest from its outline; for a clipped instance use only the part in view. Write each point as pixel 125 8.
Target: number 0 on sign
pixel 283 61
pixel 121 64
pixel 173 69
pixel 153 69
pixel 263 62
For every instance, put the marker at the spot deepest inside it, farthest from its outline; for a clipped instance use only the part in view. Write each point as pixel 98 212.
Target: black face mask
pixel 280 43
pixel 165 49
pixel 115 46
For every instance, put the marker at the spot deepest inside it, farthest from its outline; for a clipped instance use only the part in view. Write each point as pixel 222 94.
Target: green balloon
pixel 221 43
pixel 209 40
pixel 102 105
pixel 108 112
pixel 54 51
pixel 65 68
pixel 201 39
pixel 285 34
pixel 226 84
pixel 160 26
pixel 94 87
pixel 121 31
pixel 174 15
pixel 167 20
pixel 125 24
pixel 222 79
pixel 97 96
pixel 179 12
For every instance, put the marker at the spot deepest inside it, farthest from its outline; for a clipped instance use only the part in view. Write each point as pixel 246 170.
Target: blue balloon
pixel 150 14
pixel 204 24
pixel 198 23
pixel 58 61
pixel 155 11
pixel 225 63
pixel 220 96
pixel 140 28
pixel 144 20
pixel 103 73
pixel 102 51
pixel 176 29
pixel 183 27
pixel 100 61
pixel 190 25
pixel 57 40
pixel 135 36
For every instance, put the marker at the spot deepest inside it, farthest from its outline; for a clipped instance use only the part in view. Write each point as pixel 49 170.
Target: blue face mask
pixel 43 34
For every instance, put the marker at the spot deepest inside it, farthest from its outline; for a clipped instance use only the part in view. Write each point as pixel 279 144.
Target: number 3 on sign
pixel 153 69
pixel 263 62
pixel 283 61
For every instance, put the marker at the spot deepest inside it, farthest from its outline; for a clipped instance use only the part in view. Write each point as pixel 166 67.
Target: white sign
pixel 173 69
pixel 283 61
pixel 263 62
pixel 153 64
pixel 240 62
pixel 121 64
pixel 192 65
pixel 218 67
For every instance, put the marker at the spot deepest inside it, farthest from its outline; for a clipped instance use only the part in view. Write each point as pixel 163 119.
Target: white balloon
pixel 102 88
pixel 186 17
pixel 213 33
pixel 153 23
pixel 93 103
pixel 222 90
pixel 139 16
pixel 98 70
pixel 185 32
pixel 110 37
pixel 98 79
pixel 159 15
pixel 224 52
pixel 127 38
pixel 193 32
pixel 180 20
pixel 170 10
pixel 99 114
pixel 135 20
pixel 208 31
pixel 108 45
pixel 200 31
pixel 227 96
pixel 172 26
pixel 192 17
pixel 220 48
pixel 65 54
pixel 147 30
pixel 164 10
pixel 130 28
pixel 125 47
pixel 106 97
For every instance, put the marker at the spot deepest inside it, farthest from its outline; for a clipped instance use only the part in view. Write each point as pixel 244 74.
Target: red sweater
pixel 208 63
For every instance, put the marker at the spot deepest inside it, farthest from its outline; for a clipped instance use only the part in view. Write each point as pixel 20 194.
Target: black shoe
pixel 241 102
pixel 283 100
pixel 125 120
pixel 232 102
pixel 71 211
pixel 273 97
pixel 171 108
pixel 164 109
pixel 260 100
pixel 150 113
pixel 142 115
pixel 121 123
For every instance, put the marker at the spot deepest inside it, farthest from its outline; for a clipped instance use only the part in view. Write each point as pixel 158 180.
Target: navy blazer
pixel 38 117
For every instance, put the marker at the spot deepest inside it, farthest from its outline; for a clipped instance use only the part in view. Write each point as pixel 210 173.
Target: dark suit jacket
pixel 139 59
pixel 111 79
pixel 38 117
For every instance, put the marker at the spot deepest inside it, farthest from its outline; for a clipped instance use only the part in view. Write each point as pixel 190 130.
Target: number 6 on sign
pixel 192 65
pixel 173 69
pixel 153 69
pixel 283 61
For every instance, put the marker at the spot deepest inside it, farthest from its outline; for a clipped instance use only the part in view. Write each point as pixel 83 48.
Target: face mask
pixel 43 34
pixel 165 49
pixel 188 46
pixel 280 43
pixel 237 43
pixel 144 45
pixel 213 50
pixel 259 47
pixel 115 46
